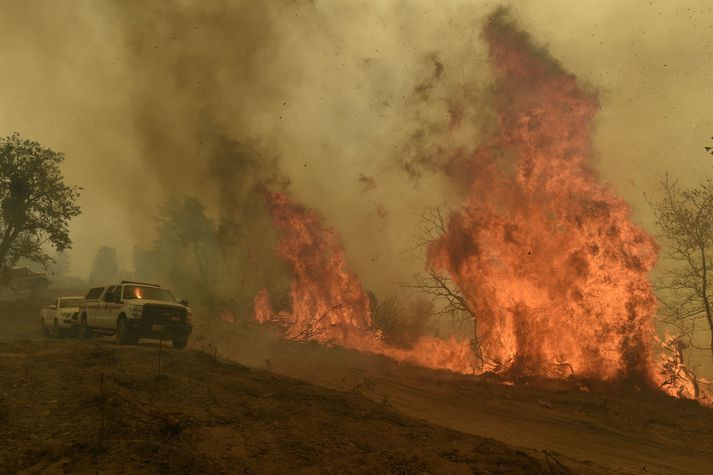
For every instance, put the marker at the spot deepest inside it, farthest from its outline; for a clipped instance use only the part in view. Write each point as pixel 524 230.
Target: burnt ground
pixel 97 407
pixel 68 407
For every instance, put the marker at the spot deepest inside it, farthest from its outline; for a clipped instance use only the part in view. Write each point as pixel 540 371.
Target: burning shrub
pixel 400 324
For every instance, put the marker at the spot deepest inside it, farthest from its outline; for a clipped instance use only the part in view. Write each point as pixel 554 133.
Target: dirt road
pixel 622 429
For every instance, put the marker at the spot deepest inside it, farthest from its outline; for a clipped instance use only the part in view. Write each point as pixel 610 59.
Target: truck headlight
pixel 136 311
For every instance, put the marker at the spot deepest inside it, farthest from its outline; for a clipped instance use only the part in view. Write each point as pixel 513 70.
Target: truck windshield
pixel 150 293
pixel 64 303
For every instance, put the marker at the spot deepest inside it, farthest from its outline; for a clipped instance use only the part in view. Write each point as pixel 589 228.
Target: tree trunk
pixel 709 318
pixel 8 238
pixel 706 301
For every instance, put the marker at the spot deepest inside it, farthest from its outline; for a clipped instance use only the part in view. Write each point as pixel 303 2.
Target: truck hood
pixel 69 309
pixel 153 302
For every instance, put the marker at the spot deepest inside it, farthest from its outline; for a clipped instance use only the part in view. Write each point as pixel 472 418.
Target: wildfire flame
pixel 545 254
pixel 328 301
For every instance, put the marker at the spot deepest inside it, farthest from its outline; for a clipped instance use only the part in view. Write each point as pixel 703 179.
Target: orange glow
pixel 263 309
pixel 227 317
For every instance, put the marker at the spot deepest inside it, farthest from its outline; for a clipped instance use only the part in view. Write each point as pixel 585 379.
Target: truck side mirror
pixel 184 303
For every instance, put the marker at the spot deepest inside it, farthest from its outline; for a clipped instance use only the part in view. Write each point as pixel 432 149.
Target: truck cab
pixel 133 310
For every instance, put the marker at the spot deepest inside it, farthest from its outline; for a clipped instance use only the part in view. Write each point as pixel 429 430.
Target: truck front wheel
pixel 179 344
pixel 56 330
pixel 123 333
pixel 85 331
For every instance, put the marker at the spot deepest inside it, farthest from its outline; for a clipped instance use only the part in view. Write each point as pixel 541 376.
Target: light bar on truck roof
pixel 138 283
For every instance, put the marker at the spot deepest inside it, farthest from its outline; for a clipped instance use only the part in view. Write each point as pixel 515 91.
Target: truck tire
pixel 179 344
pixel 56 330
pixel 123 334
pixel 85 331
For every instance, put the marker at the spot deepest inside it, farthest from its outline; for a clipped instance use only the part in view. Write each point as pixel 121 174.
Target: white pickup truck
pixel 134 310
pixel 61 317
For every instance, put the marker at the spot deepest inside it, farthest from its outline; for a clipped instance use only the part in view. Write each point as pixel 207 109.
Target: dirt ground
pixel 71 407
pixel 97 407
pixel 616 428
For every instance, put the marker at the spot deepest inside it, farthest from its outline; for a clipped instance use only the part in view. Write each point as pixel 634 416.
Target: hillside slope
pixel 69 407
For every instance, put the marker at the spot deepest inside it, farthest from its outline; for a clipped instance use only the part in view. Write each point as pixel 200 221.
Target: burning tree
pixel 546 255
pixel 435 283
pixel 685 219
pixel 438 285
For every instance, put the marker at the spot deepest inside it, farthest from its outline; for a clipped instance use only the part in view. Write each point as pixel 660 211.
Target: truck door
pixel 105 306
pixel 91 303
pixel 114 306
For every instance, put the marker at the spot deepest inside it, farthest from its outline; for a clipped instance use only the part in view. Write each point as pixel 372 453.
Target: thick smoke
pixel 227 97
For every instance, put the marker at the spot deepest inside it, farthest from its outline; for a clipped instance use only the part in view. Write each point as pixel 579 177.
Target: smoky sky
pixel 365 108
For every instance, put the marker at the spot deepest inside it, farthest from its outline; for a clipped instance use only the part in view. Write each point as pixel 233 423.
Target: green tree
pixel 35 203
pixel 191 250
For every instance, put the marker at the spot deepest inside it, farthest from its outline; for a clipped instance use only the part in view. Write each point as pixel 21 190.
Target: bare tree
pixel 443 291
pixel 437 285
pixel 685 220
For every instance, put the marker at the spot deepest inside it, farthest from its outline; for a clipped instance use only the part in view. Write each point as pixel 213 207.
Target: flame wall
pixel 545 253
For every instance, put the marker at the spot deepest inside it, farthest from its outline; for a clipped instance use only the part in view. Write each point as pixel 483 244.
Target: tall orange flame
pixel 328 301
pixel 547 255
